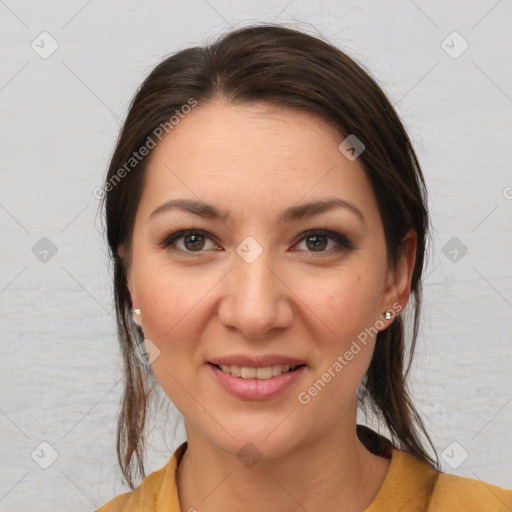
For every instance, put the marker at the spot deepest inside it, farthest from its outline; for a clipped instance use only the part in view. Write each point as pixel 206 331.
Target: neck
pixel 335 472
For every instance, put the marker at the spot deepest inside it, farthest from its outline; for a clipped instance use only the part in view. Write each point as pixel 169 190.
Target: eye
pixel 188 240
pixel 197 241
pixel 318 240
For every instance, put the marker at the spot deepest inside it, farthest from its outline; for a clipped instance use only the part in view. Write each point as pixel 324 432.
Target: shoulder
pixel 142 498
pixel 442 492
pixel 460 493
pixel 156 492
pixel 413 485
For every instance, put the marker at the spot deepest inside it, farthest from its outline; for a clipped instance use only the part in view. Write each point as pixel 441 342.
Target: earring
pixel 388 315
pixel 136 317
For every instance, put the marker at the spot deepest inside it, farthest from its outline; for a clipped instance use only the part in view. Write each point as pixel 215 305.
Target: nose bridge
pixel 255 279
pixel 255 300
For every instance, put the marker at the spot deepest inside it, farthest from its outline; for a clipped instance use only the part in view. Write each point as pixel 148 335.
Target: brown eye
pixel 316 242
pixel 189 241
pixel 323 241
pixel 193 242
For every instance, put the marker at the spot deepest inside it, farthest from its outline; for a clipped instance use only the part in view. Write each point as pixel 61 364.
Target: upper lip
pixel 256 361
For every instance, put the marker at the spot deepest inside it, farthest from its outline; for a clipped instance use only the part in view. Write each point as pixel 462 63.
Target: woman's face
pixel 260 280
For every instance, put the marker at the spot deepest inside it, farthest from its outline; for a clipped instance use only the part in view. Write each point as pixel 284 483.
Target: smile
pixel 256 383
pixel 262 373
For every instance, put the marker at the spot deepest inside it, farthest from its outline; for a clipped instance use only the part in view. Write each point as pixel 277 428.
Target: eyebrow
pixel 290 214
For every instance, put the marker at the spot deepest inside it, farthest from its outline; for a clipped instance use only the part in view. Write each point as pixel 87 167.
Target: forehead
pixel 258 130
pixel 265 154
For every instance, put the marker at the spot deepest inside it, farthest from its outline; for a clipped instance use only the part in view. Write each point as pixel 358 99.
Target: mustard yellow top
pixel 411 485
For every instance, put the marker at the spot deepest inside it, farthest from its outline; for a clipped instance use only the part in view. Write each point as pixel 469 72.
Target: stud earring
pixel 136 317
pixel 388 315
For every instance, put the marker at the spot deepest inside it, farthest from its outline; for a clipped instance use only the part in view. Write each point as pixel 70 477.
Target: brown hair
pixel 294 70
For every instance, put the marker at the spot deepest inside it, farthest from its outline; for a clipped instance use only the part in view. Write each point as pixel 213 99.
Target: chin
pixel 257 441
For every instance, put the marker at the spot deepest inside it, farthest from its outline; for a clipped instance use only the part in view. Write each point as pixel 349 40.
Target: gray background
pixel 60 367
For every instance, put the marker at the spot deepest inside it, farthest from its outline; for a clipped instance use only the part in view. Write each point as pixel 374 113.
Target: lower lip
pixel 257 389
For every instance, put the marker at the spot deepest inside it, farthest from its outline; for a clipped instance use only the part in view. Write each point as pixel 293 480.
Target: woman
pixel 267 218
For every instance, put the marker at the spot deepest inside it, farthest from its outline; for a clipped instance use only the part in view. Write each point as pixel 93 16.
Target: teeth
pixel 264 373
pixel 247 373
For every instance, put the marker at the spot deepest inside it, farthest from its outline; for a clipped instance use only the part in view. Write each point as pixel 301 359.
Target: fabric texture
pixel 411 485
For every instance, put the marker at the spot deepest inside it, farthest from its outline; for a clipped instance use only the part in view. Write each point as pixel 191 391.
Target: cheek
pixel 346 303
pixel 344 311
pixel 172 310
pixel 360 300
pixel 347 306
pixel 167 308
pixel 166 297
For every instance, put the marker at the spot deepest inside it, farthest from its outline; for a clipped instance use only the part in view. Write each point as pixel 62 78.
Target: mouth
pixel 260 373
pixel 257 382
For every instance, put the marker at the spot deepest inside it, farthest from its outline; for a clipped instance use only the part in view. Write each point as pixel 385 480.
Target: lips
pixel 264 388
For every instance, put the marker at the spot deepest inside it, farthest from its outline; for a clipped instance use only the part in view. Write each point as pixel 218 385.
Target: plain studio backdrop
pixel 68 73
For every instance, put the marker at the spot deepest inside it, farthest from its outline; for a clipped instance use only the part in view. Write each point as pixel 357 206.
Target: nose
pixel 256 299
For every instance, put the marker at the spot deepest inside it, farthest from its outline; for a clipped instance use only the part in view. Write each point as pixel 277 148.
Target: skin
pixel 255 161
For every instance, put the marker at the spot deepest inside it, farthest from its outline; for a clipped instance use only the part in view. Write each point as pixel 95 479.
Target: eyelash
pixel 342 241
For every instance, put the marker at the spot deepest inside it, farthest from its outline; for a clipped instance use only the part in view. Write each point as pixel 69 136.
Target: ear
pixel 398 284
pixel 129 284
pixel 121 254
